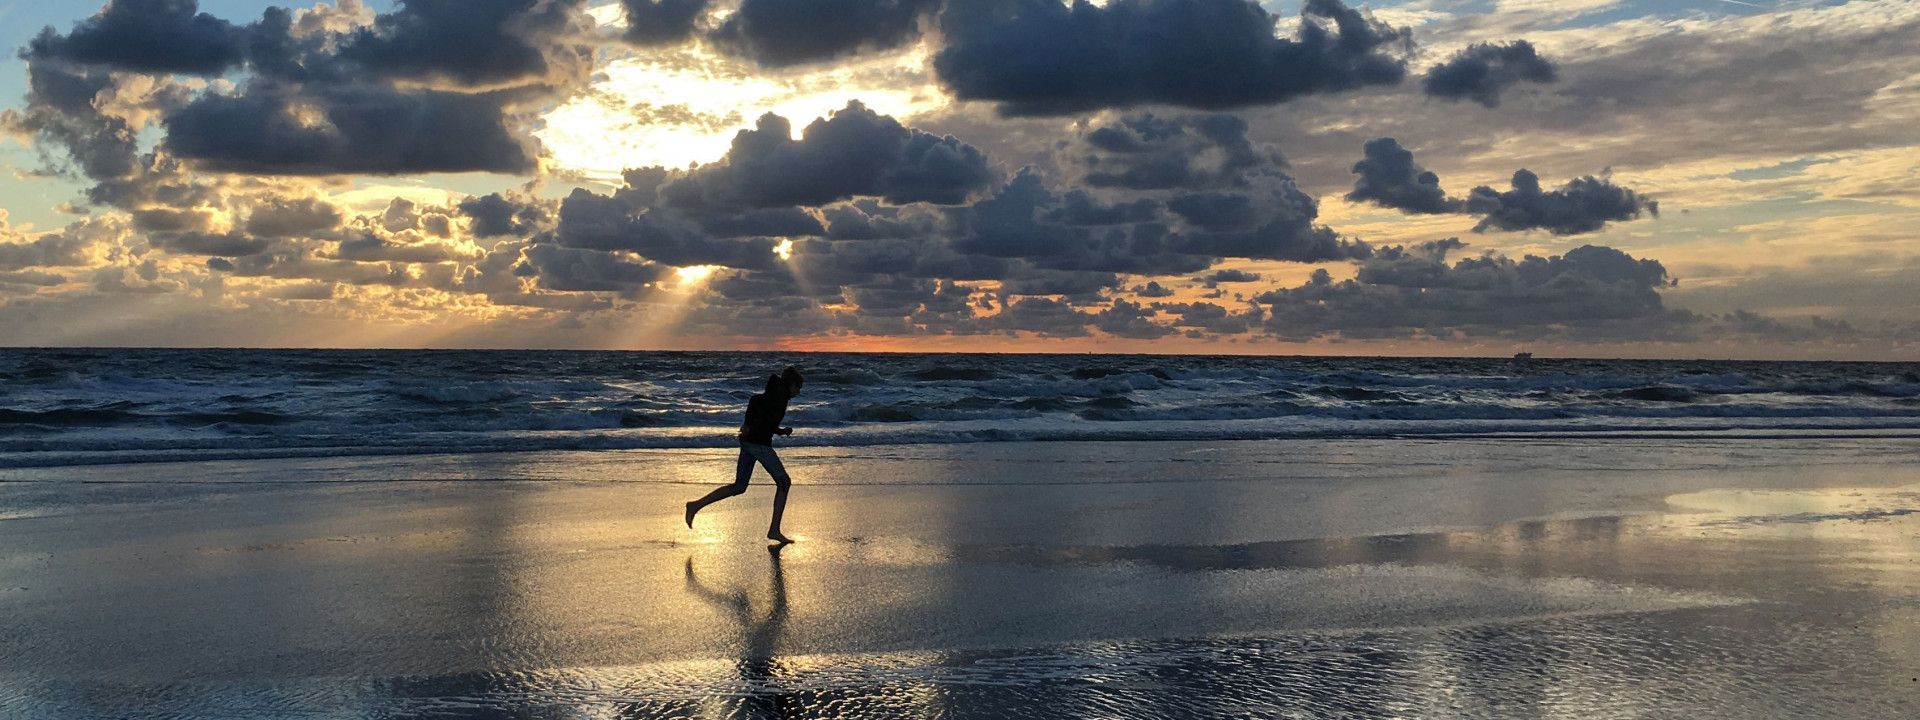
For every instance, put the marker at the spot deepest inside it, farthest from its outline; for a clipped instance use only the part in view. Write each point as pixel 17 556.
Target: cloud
pixel 1043 57
pixel 50 250
pixel 432 86
pixel 1144 152
pixel 227 244
pixel 293 217
pixel 369 247
pixel 61 112
pixel 1131 320
pixel 1045 317
pixel 273 129
pixel 652 23
pixel 1228 275
pixel 1591 292
pixel 153 36
pixel 470 43
pixel 780 33
pixel 496 215
pixel 855 152
pixel 1582 205
pixel 1390 178
pixel 1483 70
pixel 1153 289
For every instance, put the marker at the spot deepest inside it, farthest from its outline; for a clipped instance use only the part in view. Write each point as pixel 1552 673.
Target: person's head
pixel 791 378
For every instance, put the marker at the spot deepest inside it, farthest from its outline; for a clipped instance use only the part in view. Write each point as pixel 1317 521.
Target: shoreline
pixel 1667 576
pixel 14 464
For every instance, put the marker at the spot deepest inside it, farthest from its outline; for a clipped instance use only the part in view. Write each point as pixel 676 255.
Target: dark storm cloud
pixel 1043 57
pixel 495 215
pixel 779 33
pixel 1582 205
pixel 1590 292
pixel 151 36
pixel 653 23
pixel 1390 178
pixel 472 43
pixel 359 129
pixel 1483 70
pixel 854 153
pixel 1144 152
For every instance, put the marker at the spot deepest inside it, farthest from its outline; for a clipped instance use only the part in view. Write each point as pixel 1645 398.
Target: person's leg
pixel 771 461
pixel 743 471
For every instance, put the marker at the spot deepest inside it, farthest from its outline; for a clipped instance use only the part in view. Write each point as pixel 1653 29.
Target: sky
pixel 1612 178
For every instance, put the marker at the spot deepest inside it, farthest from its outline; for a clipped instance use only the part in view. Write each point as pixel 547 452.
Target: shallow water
pixel 1356 578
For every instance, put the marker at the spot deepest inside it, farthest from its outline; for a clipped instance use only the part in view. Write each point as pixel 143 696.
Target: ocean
pixel 100 406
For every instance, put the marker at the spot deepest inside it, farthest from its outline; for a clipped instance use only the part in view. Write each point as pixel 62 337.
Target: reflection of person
pixel 762 635
pixel 764 413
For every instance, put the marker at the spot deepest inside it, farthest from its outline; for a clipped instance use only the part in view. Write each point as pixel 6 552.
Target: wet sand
pixel 1314 578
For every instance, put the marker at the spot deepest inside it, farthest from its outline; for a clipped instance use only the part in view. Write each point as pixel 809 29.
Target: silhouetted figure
pixel 764 413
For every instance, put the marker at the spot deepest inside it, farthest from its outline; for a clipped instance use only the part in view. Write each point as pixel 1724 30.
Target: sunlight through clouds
pixel 677 106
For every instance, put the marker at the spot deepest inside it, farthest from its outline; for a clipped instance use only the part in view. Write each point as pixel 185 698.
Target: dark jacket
pixel 764 413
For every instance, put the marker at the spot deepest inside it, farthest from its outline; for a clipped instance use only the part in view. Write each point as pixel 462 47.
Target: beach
pixel 1611 576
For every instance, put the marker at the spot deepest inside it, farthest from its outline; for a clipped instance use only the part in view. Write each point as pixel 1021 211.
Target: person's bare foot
pixel 691 509
pixel 775 536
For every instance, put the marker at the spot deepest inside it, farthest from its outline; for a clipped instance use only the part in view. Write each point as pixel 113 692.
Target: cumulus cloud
pixel 779 33
pixel 662 22
pixel 293 217
pixel 429 87
pixel 362 129
pixel 1228 275
pixel 158 36
pixel 226 244
pixel 1590 292
pixel 495 215
pixel 50 250
pixel 1144 152
pixel 62 113
pixel 1483 71
pixel 1043 57
pixel 1582 205
pixel 1390 178
pixel 473 43
pixel 855 152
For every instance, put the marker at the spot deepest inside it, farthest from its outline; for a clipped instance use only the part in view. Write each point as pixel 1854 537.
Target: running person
pixel 764 413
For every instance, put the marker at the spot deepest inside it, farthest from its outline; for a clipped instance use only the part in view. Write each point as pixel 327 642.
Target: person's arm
pixel 785 431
